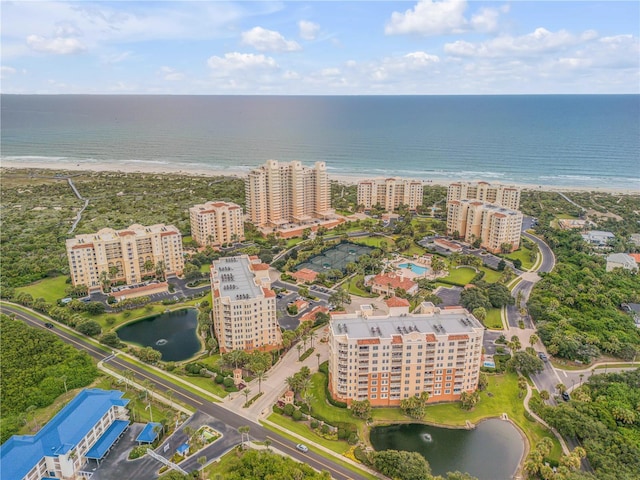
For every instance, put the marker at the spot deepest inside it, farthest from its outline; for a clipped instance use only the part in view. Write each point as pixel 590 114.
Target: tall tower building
pixel 387 358
pixel 244 307
pixel 125 255
pixel 497 194
pixel 216 223
pixel 390 193
pixel 281 193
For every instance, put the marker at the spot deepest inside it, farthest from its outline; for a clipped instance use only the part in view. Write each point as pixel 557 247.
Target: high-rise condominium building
pixel 495 226
pixel 244 307
pixel 389 358
pixel 216 223
pixel 390 193
pixel 125 255
pixel 497 194
pixel 281 193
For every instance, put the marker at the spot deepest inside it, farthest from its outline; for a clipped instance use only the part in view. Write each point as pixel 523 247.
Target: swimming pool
pixel 414 268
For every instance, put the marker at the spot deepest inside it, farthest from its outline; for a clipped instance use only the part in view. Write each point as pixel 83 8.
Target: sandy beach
pixel 347 179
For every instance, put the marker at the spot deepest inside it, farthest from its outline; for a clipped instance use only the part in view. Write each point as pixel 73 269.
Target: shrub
pixel 137 452
pixel 314 424
pixel 297 415
pixel 325 429
pixel 289 409
pixel 219 379
pixel 228 382
pixel 306 354
pixel 277 409
pixel 89 327
pixel 353 438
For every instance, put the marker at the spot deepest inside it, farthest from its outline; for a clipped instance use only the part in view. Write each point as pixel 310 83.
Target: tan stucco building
pixel 244 306
pixel 507 196
pixel 134 252
pixel 216 223
pixel 390 193
pixel 492 224
pixel 386 358
pixel 283 193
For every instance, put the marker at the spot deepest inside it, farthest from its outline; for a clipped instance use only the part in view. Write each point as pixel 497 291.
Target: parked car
pixel 302 448
pixel 565 396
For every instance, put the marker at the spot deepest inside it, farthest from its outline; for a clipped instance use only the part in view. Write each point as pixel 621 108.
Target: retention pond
pixel 491 451
pixel 173 334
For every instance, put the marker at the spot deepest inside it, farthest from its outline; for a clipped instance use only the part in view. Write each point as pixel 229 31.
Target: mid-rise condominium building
pixel 281 193
pixel 244 307
pixel 387 358
pixel 85 429
pixel 216 223
pixel 497 194
pixel 495 226
pixel 124 255
pixel 390 193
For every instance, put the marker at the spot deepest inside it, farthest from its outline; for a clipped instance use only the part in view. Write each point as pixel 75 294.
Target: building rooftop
pixel 457 321
pixel 236 278
pixel 60 434
pixel 106 234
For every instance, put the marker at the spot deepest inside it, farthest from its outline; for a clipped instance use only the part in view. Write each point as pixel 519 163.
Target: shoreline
pixel 166 169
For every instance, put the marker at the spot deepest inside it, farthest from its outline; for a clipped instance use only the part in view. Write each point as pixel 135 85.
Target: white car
pixel 302 448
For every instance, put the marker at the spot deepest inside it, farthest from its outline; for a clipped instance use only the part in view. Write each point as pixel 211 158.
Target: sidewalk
pixel 275 384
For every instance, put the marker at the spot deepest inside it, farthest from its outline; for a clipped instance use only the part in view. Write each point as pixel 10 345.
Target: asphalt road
pixel 231 419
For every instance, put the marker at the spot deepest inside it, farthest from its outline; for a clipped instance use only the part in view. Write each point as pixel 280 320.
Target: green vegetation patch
pixel 493 319
pixel 37 367
pixel 460 276
pixel 51 289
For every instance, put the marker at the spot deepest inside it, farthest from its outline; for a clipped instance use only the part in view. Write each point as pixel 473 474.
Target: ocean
pixel 556 140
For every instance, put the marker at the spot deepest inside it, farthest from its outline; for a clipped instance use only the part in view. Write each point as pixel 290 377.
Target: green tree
pixel 361 408
pixel 525 363
pixel 401 465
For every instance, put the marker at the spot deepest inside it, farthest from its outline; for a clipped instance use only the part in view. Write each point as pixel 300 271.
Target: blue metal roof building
pixel 59 448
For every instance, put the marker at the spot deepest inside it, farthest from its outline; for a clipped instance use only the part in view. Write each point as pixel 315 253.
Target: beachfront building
pixel 124 255
pixel 598 238
pixel 281 193
pixel 390 193
pixel 622 260
pixel 216 223
pixel 244 306
pixel 387 358
pixel 86 428
pixel 495 226
pixel 507 196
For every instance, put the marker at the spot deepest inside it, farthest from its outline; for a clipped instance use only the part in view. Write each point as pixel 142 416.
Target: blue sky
pixel 327 47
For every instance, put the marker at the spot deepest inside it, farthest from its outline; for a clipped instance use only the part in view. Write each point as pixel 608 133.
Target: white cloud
pixel 57 45
pixel 113 58
pixel 5 70
pixel 308 30
pixel 430 17
pixel 268 41
pixel 235 63
pixel 539 41
pixel 170 74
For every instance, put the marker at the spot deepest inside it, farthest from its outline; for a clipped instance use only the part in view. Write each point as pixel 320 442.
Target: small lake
pixel 491 451
pixel 173 334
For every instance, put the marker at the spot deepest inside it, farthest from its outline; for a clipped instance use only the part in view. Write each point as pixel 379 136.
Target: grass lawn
pixel 138 313
pixel 490 276
pixel 205 268
pixel 523 254
pixel 460 276
pixel 293 426
pixel 51 289
pixel 493 320
pixel 223 465
pixel 302 429
pixel 414 249
pixel 294 241
pixel 354 290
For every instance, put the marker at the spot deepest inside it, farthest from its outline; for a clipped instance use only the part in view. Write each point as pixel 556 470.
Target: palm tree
pixel 267 443
pixel 318 357
pixel 64 381
pixel 148 388
pixel 246 392
pixel 170 396
pixel 312 335
pixel 533 339
pixel 202 461
pixel 561 388
pixel 128 376
pixel 160 269
pixel 260 375
pixel 244 430
pixel 299 348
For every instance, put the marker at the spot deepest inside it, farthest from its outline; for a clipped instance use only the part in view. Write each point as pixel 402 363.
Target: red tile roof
pixel 393 281
pixel 305 275
pixel 311 314
pixel 635 256
pixel 397 302
pixel 260 266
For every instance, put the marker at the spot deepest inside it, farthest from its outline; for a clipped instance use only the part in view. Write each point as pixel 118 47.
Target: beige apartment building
pixel 492 224
pixel 282 193
pixel 244 307
pixel 390 193
pixel 125 255
pixel 386 358
pixel 216 223
pixel 497 194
